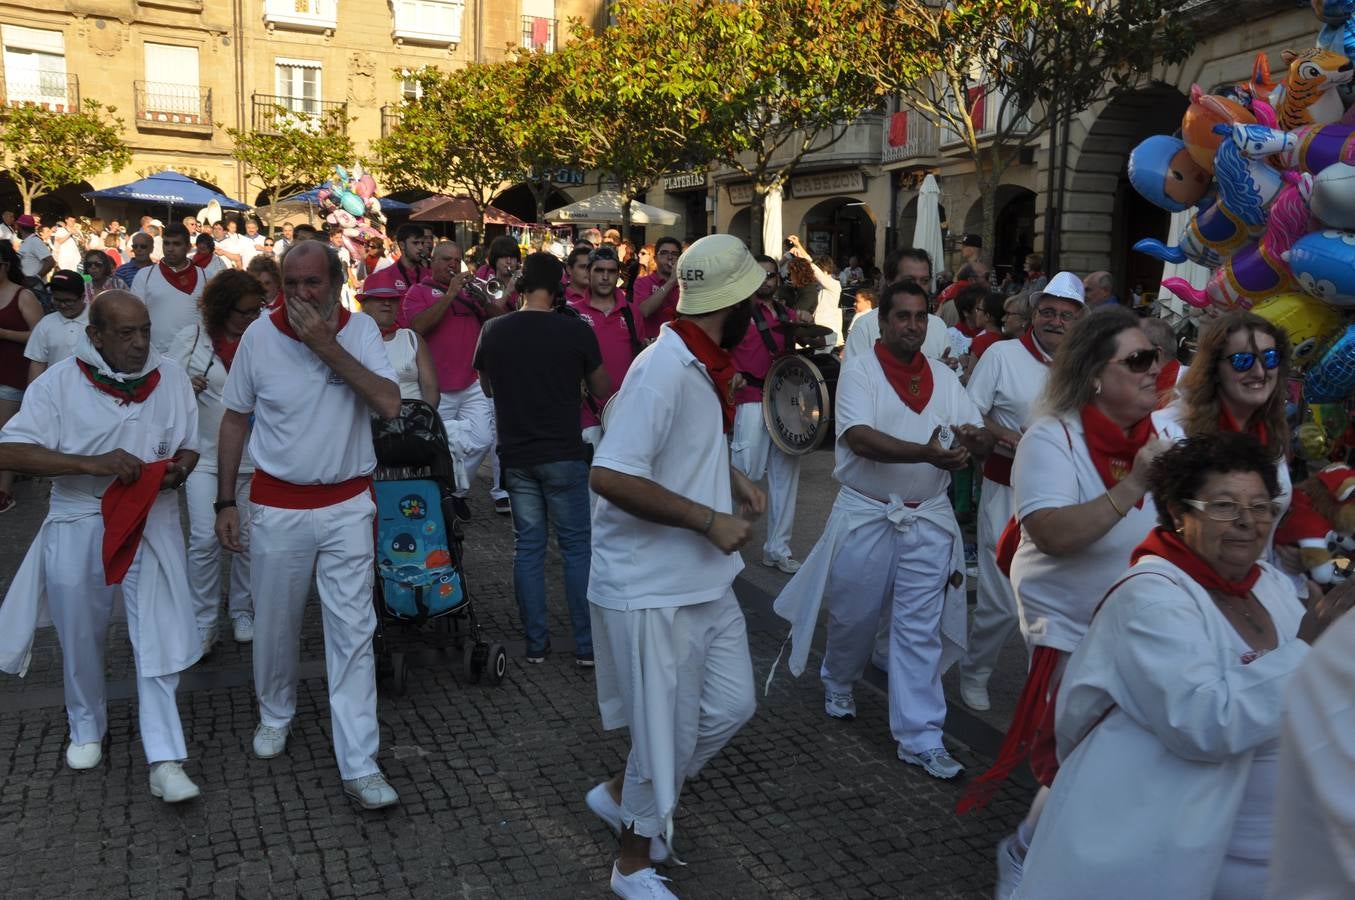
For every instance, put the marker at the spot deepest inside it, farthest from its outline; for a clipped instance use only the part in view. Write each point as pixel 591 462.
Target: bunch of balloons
pixel 1267 170
pixel 349 200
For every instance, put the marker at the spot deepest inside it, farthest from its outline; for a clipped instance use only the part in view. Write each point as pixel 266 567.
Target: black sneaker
pixel 537 657
pixel 584 661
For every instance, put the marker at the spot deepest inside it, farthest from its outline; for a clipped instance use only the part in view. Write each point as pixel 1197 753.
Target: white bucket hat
pixel 1065 286
pixel 715 272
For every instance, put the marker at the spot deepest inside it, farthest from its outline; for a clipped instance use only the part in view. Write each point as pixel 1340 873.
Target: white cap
pixel 1064 286
pixel 715 272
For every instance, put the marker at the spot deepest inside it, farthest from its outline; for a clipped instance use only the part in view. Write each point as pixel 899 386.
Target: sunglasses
pixel 1140 361
pixel 252 312
pixel 1243 362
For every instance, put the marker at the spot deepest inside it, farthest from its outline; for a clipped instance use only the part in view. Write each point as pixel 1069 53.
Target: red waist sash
pixel 269 491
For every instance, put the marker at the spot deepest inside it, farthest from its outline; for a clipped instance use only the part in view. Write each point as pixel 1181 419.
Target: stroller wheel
pixel 399 672
pixel 497 663
pixel 470 667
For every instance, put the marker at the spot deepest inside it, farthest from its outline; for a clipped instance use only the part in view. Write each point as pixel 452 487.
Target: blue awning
pixel 167 188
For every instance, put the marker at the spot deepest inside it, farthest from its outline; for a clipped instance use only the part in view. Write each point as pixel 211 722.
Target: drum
pixel 797 401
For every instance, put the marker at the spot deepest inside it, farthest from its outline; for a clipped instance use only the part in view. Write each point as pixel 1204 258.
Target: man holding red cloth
pixel 117 428
pixel 312 375
pixel 904 424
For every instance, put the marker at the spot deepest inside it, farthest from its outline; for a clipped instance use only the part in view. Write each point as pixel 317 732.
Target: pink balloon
pixel 365 187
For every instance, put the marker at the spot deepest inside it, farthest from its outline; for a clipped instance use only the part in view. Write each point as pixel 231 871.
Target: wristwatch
pixel 219 505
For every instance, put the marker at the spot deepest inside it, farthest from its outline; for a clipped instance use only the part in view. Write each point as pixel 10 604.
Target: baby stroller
pixel 420 571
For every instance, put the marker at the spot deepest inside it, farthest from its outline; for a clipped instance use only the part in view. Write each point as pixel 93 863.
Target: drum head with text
pixel 796 404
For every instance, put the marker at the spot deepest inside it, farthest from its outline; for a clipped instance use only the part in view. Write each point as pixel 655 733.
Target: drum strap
pixel 764 330
pixel 636 345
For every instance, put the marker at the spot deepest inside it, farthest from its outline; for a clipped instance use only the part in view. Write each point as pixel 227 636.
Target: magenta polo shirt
pixel 452 341
pixel 395 276
pixel 614 342
pixel 752 357
pixel 640 292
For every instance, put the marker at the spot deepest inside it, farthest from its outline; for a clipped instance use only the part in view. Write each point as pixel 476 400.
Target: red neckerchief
pixel 983 342
pixel 967 330
pixel 1112 451
pixel 279 317
pixel 278 302
pixel 718 365
pixel 387 332
pixel 225 349
pixel 371 262
pixel 1163 543
pixel 134 390
pixel 1257 429
pixel 1033 346
pixel 1166 379
pixel 202 258
pixel 185 281
pixel 911 381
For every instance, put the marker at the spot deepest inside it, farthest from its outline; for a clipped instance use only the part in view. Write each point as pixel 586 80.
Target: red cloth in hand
pixel 125 508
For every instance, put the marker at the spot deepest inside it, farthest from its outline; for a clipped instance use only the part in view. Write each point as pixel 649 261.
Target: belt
pixel 267 490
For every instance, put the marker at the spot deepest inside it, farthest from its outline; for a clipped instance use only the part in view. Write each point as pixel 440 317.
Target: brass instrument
pixel 487 290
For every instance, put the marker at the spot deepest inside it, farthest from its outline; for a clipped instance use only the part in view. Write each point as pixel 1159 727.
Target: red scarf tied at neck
pixel 1033 347
pixel 719 365
pixel 1163 543
pixel 185 281
pixel 202 258
pixel 912 381
pixel 225 348
pixel 1112 451
pixel 133 390
pixel 280 321
pixel 1257 429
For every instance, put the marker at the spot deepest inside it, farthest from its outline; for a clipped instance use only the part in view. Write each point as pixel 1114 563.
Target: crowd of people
pixel 1173 712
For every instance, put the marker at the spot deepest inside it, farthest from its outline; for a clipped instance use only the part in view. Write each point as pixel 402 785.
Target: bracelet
pixel 710 520
pixel 223 504
pixel 1111 500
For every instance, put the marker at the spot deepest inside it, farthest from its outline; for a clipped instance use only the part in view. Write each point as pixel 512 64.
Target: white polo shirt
pixel 32 251
pixel 55 337
pixel 865 397
pixel 1006 383
pixel 866 331
pixel 192 349
pixel 171 310
pixel 310 427
pixel 666 426
pixel 1057 595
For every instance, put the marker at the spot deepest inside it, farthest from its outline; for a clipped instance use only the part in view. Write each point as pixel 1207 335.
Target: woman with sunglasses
pixel 1170 710
pixel 1080 497
pixel 230 303
pixel 1236 383
pixel 99 269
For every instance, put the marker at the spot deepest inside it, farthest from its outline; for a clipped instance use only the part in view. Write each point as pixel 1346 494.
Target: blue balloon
pixel 1333 377
pixel 1323 264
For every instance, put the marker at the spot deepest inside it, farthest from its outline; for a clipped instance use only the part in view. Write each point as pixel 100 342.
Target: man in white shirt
pixel 116 418
pixel 66 241
pixel 906 263
pixel 35 257
pixel 668 634
pixel 57 334
pixel 311 376
pixel 7 231
pixel 225 247
pixel 170 288
pixel 1005 385
pixel 904 424
pixel 851 274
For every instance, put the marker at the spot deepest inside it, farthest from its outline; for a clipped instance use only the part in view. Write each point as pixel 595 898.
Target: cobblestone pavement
pixel 491 780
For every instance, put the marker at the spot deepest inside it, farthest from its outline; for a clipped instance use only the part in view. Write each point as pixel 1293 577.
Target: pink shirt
pixel 394 276
pixel 452 341
pixel 641 291
pixel 752 356
pixel 614 342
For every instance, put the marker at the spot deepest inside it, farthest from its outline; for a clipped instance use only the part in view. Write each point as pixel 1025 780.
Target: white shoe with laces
pixel 937 762
pixel 645 884
pixel 171 784
pixel 209 636
pixel 600 801
pixel 1009 866
pixel 371 791
pixel 975 696
pixel 839 706
pixel 269 741
pixel 244 628
pixel 784 563
pixel 84 756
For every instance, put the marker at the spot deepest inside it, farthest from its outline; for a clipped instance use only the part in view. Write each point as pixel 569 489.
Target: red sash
pixel 279 317
pixel 718 365
pixel 998 467
pixel 134 391
pixel 912 381
pixel 1163 543
pixel 185 281
pixel 269 491
pixel 125 508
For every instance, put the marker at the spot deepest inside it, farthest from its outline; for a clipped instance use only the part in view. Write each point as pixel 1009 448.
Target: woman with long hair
pixel 99 268
pixel 20 311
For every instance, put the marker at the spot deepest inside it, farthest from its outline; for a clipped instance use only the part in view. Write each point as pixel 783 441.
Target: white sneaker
pixel 839 706
pixel 371 791
pixel 171 784
pixel 1009 866
pixel 784 563
pixel 600 801
pixel 645 884
pixel 269 741
pixel 244 628
pixel 209 636
pixel 937 762
pixel 975 696
pixel 84 756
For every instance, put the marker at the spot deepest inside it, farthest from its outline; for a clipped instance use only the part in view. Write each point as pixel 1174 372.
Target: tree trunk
pixel 25 195
pixel 757 215
pixel 626 197
pixel 989 178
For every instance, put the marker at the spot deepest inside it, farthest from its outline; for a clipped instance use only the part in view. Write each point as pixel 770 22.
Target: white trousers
pixel 881 566
pixel 468 416
pixel 994 618
pixel 81 606
pixel 753 453
pixel 334 544
pixel 205 551
pixel 680 678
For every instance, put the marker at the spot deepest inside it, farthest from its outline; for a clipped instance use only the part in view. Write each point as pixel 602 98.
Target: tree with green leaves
pixel 293 152
pixel 43 150
pixel 997 75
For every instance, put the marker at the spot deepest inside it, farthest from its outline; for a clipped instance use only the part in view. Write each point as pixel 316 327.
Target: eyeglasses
pixel 1049 312
pixel 1140 361
pixel 1243 362
pixel 1231 511
pixel 268 243
pixel 252 312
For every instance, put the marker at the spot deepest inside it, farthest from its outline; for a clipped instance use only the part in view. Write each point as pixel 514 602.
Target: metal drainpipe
pixel 239 15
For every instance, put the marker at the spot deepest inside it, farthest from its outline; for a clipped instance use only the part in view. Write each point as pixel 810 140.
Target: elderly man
pixel 140 246
pixel 1099 289
pixel 171 288
pixel 670 638
pixel 1005 385
pixel 116 427
pixel 904 424
pixel 311 376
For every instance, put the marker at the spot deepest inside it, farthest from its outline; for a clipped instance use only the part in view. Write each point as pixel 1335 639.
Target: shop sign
pixel 850 182
pixel 684 181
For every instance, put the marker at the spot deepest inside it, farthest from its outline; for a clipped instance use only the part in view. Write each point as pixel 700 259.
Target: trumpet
pixel 487 290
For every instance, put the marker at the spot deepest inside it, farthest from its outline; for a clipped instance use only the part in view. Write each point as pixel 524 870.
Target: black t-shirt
pixel 535 362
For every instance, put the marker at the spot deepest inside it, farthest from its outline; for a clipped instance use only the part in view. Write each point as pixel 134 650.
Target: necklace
pixel 1226 604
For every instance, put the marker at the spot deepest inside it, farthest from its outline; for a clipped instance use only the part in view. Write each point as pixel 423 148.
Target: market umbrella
pixel 771 223
pixel 167 188
pixel 605 207
pixel 441 208
pixel 927 231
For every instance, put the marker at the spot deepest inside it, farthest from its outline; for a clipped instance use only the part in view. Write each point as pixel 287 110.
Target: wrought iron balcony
pixel 272 111
pixel 390 119
pixel 54 91
pixel 910 137
pixel 163 105
pixel 538 33
pixel 303 15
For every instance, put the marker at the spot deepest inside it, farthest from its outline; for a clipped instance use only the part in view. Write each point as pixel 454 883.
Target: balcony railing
pixel 173 106
pixel 428 21
pixel 307 15
pixel 538 33
pixel 909 136
pixel 271 111
pixel 55 91
pixel 985 106
pixel 390 119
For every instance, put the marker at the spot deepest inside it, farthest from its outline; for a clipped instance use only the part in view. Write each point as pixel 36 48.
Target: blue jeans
pixel 554 493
